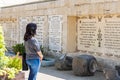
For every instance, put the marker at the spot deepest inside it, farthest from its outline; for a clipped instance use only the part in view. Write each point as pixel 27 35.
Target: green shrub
pixel 10 72
pixel 19 48
pixel 3 61
pixel 8 66
pixel 15 62
pixel 3 58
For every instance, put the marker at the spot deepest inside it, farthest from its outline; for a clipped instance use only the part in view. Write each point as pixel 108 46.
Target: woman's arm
pixel 40 55
pixel 36 47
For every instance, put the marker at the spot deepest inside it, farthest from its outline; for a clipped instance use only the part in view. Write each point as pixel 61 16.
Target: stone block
pixel 64 63
pixel 118 6
pixel 111 74
pixel 50 4
pixel 79 2
pixel 84 65
pixel 84 10
pixel 59 3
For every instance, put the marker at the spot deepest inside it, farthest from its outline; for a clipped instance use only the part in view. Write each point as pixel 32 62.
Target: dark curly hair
pixel 30 31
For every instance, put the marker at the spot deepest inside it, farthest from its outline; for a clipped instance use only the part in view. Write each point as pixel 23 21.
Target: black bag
pixel 24 64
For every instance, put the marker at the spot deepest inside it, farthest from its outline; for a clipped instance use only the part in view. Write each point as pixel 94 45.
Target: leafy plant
pixel 8 66
pixel 2 43
pixel 12 66
pixel 19 48
pixel 3 61
pixel 15 62
pixel 3 58
pixel 10 73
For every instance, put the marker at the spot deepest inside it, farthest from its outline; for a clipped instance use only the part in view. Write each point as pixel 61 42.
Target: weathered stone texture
pixel 66 8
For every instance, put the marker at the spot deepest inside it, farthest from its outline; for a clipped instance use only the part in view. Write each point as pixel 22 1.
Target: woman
pixel 33 53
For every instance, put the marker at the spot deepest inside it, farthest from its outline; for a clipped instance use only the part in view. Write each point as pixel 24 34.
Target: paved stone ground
pixel 50 73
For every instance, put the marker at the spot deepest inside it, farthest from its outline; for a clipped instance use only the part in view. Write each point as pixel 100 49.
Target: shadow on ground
pixel 50 73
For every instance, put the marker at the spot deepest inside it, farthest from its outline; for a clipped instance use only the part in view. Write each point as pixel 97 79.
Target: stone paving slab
pixel 50 73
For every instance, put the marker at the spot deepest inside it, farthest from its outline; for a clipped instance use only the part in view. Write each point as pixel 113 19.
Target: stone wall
pixel 98 30
pixel 33 12
pixel 85 26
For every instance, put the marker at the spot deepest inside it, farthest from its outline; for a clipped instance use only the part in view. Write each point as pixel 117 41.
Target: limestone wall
pixel 87 26
pixel 39 13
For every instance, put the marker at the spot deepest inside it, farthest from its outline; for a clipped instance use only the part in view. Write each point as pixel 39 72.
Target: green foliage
pixel 3 61
pixel 2 43
pixel 2 72
pixel 14 66
pixel 3 58
pixel 10 72
pixel 15 62
pixel 19 48
pixel 8 66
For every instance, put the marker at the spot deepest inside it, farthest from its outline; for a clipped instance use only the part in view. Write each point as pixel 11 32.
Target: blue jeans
pixel 34 66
